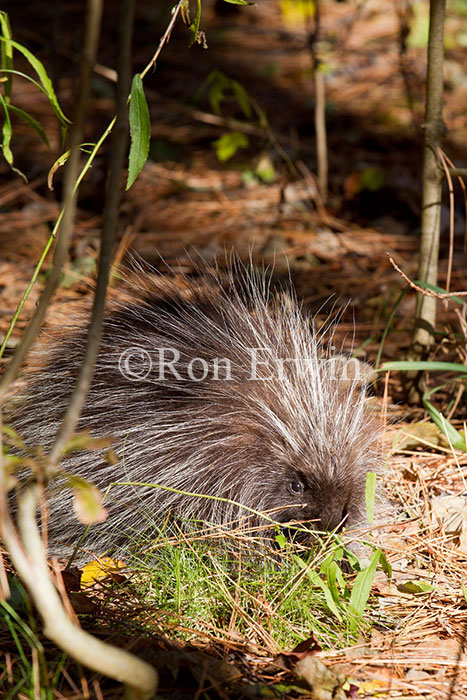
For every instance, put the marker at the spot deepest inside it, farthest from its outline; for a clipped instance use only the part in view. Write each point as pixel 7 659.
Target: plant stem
pixel 434 130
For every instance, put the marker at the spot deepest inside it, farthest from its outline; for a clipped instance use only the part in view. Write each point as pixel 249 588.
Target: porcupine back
pixel 284 432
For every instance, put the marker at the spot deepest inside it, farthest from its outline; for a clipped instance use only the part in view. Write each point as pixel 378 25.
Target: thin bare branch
pixel 165 37
pixel 451 215
pixel 426 292
pixel 108 233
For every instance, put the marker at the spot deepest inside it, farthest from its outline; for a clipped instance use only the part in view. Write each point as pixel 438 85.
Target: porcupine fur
pixel 295 442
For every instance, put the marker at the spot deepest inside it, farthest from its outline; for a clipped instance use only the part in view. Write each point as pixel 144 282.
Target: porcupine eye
pixel 296 486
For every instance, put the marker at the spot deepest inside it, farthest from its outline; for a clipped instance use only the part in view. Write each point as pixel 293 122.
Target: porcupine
pixel 209 388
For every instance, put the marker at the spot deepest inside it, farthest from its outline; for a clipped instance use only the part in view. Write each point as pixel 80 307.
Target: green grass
pixel 249 591
pixel 240 595
pixel 24 669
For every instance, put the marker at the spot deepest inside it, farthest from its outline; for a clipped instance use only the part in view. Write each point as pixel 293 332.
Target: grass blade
pixel 361 590
pixel 454 437
pixel 407 365
pixel 370 491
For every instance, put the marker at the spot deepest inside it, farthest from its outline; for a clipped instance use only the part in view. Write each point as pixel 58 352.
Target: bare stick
pixel 321 137
pixel 451 214
pixel 164 38
pixel 320 105
pixel 460 173
pixel 426 292
pixel 109 225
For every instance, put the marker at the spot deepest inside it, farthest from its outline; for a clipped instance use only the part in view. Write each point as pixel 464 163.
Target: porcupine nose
pixel 332 518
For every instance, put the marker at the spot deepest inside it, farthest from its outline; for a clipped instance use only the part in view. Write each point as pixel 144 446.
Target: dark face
pixel 324 505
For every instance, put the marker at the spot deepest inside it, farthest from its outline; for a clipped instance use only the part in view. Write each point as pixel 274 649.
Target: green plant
pixel 43 84
pixel 32 674
pixel 277 594
pixel 455 438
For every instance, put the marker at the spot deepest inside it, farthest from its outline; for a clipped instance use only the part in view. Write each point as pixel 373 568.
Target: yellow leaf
pixel 375 687
pixel 96 570
pixel 296 12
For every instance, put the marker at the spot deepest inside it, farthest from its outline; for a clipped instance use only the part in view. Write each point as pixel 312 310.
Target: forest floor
pixel 265 205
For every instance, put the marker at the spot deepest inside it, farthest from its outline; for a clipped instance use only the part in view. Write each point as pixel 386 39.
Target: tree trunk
pixel 434 130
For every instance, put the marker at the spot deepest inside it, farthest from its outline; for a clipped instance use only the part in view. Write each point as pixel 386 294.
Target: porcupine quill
pixel 209 388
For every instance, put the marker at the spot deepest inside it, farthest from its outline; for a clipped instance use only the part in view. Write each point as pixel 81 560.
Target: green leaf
pixel 42 75
pixel 265 169
pixel 242 98
pixel 334 554
pixel 219 84
pixel 372 179
pixel 20 602
pixel 85 441
pixel 240 2
pixel 456 439
pixel 407 365
pixel 140 130
pixel 370 490
pixel 331 577
pixel 228 145
pixel 416 434
pixel 361 590
pixel 26 77
pixel 60 162
pixel 352 559
pixel 281 539
pixel 385 565
pixel 342 583
pixel 32 122
pixel 194 24
pixel 440 290
pixel 216 95
pixel 14 437
pixel 6 133
pixel 6 139
pixel 80 267
pixel 416 587
pixel 6 53
pixel 317 581
pixel 278 690
pixel 419 26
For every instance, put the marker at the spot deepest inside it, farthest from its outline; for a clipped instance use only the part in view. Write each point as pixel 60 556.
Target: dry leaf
pixel 99 569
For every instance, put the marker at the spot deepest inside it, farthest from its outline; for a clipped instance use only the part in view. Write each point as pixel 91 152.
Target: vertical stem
pixel 320 130
pixel 108 233
pixel 320 103
pixel 432 176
